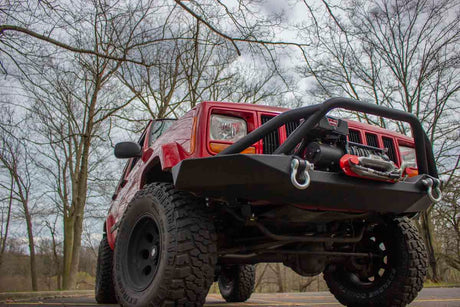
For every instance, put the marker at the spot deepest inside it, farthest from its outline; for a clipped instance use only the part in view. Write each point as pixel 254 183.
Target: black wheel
pixel 105 293
pixel 392 278
pixel 236 282
pixel 165 251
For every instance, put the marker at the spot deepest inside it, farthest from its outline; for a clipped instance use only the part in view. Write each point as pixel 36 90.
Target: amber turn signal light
pixel 411 171
pixel 218 147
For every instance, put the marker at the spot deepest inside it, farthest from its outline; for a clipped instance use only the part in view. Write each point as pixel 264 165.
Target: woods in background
pixel 79 76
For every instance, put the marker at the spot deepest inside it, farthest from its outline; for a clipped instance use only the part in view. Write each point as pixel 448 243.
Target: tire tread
pixel 409 278
pixel 192 244
pixel 105 292
pixel 243 284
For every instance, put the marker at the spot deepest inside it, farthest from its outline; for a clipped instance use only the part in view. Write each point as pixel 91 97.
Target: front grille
pixel 291 126
pixel 354 136
pixel 271 141
pixel 389 145
pixel 371 140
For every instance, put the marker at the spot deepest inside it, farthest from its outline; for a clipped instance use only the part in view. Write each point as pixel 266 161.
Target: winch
pixel 372 167
pixel 333 152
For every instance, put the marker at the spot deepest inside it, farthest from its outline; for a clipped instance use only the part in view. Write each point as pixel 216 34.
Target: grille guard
pixel 230 175
pixel 313 114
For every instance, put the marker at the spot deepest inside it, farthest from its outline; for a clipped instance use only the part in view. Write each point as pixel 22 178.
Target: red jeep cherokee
pixel 205 197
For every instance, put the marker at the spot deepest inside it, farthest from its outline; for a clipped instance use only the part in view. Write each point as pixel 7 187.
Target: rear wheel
pixel 105 293
pixel 236 282
pixel 165 251
pixel 392 278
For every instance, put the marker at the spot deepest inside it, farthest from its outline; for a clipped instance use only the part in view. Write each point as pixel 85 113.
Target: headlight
pixel 408 156
pixel 227 128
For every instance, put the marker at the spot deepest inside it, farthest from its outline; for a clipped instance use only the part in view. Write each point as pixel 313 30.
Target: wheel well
pixel 154 173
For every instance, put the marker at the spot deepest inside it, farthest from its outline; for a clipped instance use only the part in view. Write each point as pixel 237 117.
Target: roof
pixel 247 106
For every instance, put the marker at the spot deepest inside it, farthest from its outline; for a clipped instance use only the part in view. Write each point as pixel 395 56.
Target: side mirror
pixel 126 150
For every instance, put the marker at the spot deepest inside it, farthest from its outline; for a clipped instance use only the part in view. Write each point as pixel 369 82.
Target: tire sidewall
pixel 148 205
pixel 99 268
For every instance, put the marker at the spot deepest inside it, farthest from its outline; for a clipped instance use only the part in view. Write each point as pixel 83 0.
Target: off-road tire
pixel 104 290
pixel 187 249
pixel 405 277
pixel 236 282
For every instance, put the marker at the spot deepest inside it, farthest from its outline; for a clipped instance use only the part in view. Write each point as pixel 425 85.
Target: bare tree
pixel 399 54
pixel 186 72
pixel 446 218
pixel 57 263
pixel 15 158
pixel 6 217
pixel 72 99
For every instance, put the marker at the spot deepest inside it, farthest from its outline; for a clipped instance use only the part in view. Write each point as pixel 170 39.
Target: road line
pixel 54 304
pixel 283 298
pixel 296 297
pixel 438 300
pixel 275 303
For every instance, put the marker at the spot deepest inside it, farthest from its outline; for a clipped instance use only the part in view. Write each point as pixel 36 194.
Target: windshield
pixel 159 126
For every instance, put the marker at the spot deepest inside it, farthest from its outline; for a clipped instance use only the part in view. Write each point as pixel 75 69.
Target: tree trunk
pixel 428 238
pixel 279 278
pixel 303 286
pixel 261 276
pixel 72 244
pixel 7 226
pixel 33 266
pixel 57 263
pixel 68 246
pixel 77 228
pixel 73 229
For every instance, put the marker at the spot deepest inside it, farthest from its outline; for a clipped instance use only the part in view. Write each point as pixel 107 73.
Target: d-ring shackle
pixel 294 168
pixel 433 183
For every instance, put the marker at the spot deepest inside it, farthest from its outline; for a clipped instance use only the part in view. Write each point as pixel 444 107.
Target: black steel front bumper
pixel 267 178
pixel 231 175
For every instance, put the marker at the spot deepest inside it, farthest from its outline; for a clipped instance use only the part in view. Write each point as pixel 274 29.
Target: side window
pixel 134 160
pixel 158 127
pixel 131 162
pixel 122 181
pixel 129 165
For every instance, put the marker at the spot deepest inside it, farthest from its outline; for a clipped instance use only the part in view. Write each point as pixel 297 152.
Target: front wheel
pixel 165 251
pixel 393 277
pixel 236 282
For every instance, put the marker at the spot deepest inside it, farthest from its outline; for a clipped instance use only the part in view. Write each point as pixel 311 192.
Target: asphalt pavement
pixel 436 297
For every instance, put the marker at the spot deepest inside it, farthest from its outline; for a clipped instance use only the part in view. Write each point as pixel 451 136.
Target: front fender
pixel 108 229
pixel 171 154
